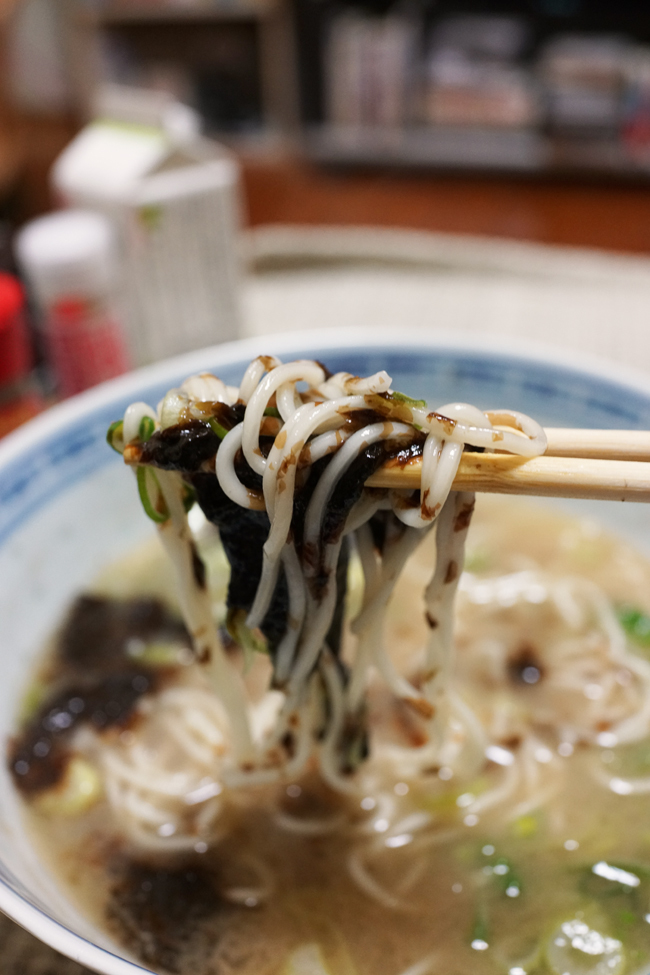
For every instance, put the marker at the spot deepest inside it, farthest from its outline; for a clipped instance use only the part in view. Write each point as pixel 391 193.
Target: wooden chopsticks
pixel 608 465
pixel 601 444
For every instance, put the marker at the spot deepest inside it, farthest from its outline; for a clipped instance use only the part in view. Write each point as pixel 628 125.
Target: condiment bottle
pixel 70 263
pixel 20 398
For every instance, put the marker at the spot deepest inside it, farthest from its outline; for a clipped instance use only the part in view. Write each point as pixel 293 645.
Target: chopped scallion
pixel 114 436
pixel 273 411
pixel 146 428
pixel 626 919
pixel 249 640
pixel 217 428
pixel 408 400
pixel 80 788
pixel 504 874
pixel 505 877
pixel 636 624
pixel 526 826
pixel 143 490
pixel 480 933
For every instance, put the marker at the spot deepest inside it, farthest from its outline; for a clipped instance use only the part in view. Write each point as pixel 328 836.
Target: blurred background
pixel 154 154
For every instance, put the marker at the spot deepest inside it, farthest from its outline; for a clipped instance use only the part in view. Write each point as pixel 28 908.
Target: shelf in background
pixel 472 150
pixel 120 13
pixel 233 59
pixel 614 215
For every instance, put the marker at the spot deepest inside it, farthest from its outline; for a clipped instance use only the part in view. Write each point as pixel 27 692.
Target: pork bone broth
pixel 536 861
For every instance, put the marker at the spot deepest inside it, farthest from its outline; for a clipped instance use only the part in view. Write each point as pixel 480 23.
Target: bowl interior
pixel 68 506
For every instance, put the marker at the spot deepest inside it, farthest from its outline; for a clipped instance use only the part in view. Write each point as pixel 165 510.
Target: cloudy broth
pixel 538 864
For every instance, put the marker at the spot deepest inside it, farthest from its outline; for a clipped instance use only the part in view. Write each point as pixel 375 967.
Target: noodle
pixel 311 430
pixel 309 480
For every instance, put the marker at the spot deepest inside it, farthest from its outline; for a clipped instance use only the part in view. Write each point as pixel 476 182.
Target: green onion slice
pixel 408 400
pixel 143 490
pixel 146 428
pixel 249 640
pixel 480 931
pixel 217 428
pixel 115 437
pixel 636 624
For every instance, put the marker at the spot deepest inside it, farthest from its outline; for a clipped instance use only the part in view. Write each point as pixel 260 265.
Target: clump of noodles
pixel 546 669
pixel 559 642
pixel 557 638
pixel 333 421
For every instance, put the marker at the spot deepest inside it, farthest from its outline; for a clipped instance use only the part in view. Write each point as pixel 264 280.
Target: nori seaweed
pixel 190 448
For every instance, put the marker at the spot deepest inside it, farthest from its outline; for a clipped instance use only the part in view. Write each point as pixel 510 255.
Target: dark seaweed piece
pixel 524 666
pixel 243 533
pixel 98 632
pixel 227 415
pixel 301 501
pixel 159 913
pixel 356 419
pixel 188 445
pixel 181 448
pixel 250 478
pixel 37 762
pixel 186 448
pixel 354 746
pixel 346 493
pixel 38 756
pixel 378 527
pixel 335 632
pixel 350 486
pixel 328 374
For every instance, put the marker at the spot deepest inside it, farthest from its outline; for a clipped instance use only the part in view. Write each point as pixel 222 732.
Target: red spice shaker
pixel 20 398
pixel 70 263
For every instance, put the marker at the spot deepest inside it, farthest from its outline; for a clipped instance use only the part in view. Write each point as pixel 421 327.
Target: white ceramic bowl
pixel 68 506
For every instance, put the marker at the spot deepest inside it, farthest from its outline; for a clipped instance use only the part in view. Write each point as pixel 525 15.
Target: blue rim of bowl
pixel 514 352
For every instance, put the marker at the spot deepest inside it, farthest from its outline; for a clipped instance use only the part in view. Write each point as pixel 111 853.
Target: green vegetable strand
pixel 506 877
pixel 408 400
pixel 636 624
pixel 252 641
pixel 146 428
pixel 217 428
pixel 143 490
pixel 114 436
pixel 480 933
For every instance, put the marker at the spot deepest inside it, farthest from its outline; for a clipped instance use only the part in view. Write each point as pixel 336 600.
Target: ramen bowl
pixel 68 507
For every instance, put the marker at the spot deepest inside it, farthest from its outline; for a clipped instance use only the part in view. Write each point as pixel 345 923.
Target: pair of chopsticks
pixel 607 465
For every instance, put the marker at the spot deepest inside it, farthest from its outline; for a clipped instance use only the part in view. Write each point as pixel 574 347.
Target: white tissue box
pixel 175 200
